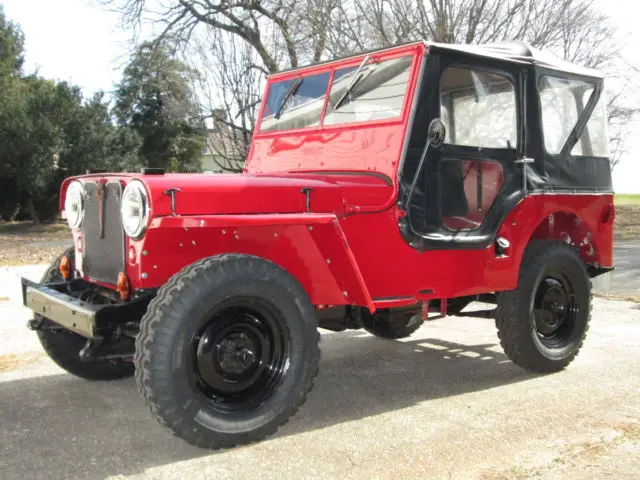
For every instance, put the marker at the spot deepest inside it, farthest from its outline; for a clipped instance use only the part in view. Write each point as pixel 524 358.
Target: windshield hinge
pixel 171 193
pixel 307 192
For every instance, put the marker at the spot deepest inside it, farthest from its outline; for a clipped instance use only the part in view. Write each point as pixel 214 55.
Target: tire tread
pixel 513 328
pixel 228 266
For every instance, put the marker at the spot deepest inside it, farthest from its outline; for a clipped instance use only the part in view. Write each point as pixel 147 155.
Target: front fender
pixel 311 247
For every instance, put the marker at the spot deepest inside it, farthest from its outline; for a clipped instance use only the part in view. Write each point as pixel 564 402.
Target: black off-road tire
pixel 517 323
pixel 392 326
pixel 166 356
pixel 63 346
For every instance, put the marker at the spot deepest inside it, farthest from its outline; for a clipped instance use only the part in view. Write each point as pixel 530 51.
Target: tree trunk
pixel 31 209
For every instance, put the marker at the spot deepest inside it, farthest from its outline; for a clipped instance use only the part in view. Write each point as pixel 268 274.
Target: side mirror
pixel 436 133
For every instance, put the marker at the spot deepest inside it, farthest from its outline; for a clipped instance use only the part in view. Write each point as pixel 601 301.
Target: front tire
pixel 63 346
pixel 542 324
pixel 227 351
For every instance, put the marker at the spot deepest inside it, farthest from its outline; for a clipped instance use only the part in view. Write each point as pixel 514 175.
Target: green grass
pixel 26 243
pixel 627 199
pixel 28 228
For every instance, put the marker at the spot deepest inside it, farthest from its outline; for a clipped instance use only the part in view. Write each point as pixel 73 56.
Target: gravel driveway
pixel 445 403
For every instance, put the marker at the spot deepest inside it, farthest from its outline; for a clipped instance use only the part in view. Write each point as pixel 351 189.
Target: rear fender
pixel 311 247
pixel 584 221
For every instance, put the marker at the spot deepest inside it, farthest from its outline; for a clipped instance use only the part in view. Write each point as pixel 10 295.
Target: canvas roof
pixel 516 52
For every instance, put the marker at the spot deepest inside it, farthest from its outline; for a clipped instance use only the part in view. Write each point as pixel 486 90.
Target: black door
pixel 470 183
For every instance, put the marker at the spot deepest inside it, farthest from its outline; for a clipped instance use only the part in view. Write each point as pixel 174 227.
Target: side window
pixel 594 141
pixel 378 92
pixel 478 108
pixel 562 102
pixel 303 107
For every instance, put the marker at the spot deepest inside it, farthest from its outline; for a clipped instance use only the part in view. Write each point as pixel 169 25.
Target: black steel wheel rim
pixel 555 311
pixel 240 355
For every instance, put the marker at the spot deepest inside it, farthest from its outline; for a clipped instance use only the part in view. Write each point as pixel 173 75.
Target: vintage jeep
pixel 378 188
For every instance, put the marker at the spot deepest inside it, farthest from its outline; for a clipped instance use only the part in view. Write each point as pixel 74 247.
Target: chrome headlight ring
pixel 134 209
pixel 74 204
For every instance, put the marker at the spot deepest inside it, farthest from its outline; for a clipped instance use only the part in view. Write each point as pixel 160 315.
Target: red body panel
pixel 362 259
pixel 232 194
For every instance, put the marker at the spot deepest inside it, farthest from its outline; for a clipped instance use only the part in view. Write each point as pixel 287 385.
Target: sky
pixel 81 42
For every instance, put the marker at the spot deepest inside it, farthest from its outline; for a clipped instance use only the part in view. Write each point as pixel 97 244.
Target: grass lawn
pixel 23 243
pixel 627 199
pixel 627 223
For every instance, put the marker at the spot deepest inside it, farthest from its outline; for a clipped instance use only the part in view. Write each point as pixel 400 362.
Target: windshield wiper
pixel 354 81
pixel 292 89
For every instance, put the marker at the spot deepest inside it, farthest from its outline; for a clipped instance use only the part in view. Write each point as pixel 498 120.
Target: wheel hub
pixel 554 310
pixel 551 305
pixel 236 353
pixel 238 357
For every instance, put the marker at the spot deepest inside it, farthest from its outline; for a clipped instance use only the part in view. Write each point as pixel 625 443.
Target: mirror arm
pixel 435 137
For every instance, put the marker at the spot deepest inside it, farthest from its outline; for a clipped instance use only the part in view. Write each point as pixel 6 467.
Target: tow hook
pixel 35 323
pixel 87 353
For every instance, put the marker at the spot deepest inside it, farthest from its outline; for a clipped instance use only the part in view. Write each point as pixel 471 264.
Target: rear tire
pixel 227 351
pixel 63 346
pixel 392 325
pixel 542 324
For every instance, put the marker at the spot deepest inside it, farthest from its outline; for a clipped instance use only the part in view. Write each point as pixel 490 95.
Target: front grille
pixel 103 249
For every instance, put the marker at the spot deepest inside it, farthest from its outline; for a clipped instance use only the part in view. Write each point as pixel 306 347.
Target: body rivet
pixel 144 275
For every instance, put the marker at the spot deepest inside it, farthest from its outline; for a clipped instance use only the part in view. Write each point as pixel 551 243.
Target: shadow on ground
pixel 95 430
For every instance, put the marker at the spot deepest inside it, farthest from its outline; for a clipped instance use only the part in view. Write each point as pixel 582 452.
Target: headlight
pixel 74 204
pixel 134 209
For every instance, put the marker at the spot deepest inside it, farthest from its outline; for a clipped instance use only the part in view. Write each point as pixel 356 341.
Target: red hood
pixel 211 194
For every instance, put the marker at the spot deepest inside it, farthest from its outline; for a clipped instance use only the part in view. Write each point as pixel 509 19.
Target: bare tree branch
pixel 263 36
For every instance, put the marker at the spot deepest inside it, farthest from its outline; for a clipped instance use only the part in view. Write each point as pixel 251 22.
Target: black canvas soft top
pixel 515 52
pixel 519 52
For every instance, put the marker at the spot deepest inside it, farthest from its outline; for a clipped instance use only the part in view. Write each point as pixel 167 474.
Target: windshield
pixel 301 109
pixel 377 92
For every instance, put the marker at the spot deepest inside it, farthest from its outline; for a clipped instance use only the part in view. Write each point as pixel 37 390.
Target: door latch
pixel 525 160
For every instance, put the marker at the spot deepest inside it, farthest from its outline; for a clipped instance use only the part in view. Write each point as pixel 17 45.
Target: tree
pixel 11 47
pixel 92 141
pixel 11 60
pixel 282 33
pixel 155 100
pixel 229 94
pixel 30 138
pixel 48 130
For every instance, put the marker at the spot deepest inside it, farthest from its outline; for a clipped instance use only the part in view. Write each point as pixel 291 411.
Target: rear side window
pixel 378 93
pixel 562 102
pixel 478 108
pixel 303 106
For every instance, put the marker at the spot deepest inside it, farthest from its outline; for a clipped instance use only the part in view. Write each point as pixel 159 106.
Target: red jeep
pixel 378 187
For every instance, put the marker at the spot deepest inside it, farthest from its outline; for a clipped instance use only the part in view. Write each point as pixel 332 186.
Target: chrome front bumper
pixel 66 311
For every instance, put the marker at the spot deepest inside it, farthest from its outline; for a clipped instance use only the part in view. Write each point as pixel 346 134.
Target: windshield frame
pixel 331 68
